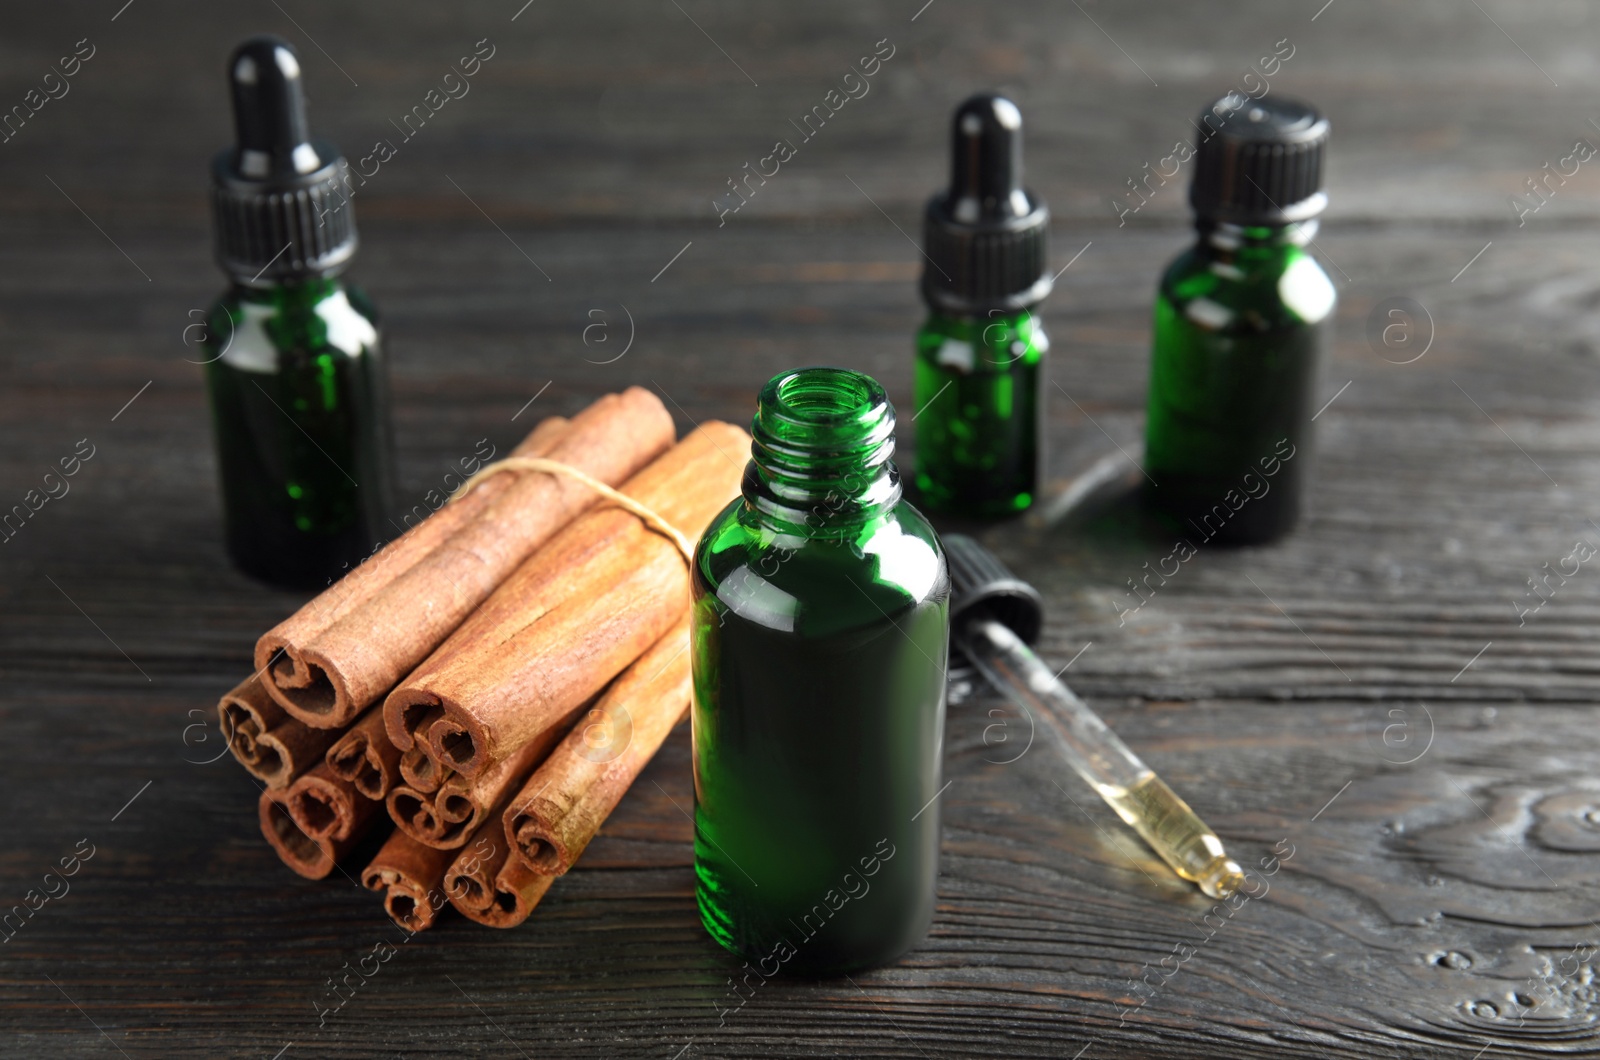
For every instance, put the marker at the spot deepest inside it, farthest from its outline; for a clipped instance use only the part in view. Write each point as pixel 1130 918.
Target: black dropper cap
pixel 987 238
pixel 279 198
pixel 982 586
pixel 1259 161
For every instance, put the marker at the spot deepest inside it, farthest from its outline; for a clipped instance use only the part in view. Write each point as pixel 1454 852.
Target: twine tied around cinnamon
pixel 556 467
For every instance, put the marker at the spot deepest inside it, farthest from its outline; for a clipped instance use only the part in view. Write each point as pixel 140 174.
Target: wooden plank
pixel 627 113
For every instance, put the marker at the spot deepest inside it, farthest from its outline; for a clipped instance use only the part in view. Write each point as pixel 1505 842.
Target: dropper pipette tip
pixel 1223 878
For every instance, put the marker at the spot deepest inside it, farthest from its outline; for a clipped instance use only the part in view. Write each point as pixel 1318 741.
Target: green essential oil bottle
pixel 980 356
pixel 821 626
pixel 1238 329
pixel 299 395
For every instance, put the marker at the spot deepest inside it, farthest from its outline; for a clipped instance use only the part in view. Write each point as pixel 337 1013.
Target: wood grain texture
pixel 1362 694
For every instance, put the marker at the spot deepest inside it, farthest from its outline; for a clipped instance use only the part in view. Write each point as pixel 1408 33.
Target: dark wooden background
pixel 1363 691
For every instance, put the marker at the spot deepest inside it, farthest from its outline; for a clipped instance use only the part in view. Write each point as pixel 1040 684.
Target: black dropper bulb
pixel 269 109
pixel 280 200
pixel 986 161
pixel 986 236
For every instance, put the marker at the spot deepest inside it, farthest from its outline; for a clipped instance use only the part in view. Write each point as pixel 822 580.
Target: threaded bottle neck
pixel 821 455
pixel 307 291
pixel 1244 244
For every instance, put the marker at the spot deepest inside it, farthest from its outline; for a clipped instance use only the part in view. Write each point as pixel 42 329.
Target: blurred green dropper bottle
pixel 1238 333
pixel 299 395
pixel 980 355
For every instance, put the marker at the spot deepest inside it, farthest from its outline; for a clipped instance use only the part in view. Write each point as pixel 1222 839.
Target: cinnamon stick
pixel 489 885
pixel 570 618
pixel 316 819
pixel 411 875
pixel 469 881
pixel 446 817
pixel 343 650
pixel 326 806
pixel 311 856
pixel 561 807
pixel 274 747
pixel 421 773
pixel 366 757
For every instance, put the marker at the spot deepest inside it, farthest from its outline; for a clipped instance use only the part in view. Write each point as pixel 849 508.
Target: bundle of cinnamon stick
pixel 496 677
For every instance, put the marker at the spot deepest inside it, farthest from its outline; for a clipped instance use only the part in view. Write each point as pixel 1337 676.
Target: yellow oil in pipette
pixel 1176 833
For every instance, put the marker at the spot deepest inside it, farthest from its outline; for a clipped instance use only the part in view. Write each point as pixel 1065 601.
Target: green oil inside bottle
pixel 978 393
pixel 299 402
pixel 1237 347
pixel 820 637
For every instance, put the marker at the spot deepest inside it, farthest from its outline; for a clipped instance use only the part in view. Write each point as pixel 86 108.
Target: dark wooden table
pixel 1363 695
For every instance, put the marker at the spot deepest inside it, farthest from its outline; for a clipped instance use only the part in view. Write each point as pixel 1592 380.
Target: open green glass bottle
pixel 1239 329
pixel 297 381
pixel 820 637
pixel 980 357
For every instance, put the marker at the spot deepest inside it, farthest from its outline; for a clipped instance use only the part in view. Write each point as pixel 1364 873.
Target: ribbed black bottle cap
pixel 279 199
pixel 1259 161
pixel 987 237
pixel 981 585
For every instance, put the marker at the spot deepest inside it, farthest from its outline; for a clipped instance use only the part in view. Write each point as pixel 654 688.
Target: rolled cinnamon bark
pixel 366 757
pixel 326 806
pixel 269 743
pixel 446 817
pixel 343 650
pixel 561 807
pixel 469 881
pixel 492 887
pixel 419 772
pixel 579 610
pixel 311 856
pixel 411 875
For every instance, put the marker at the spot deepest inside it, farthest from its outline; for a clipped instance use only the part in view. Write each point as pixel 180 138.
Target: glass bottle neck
pixel 952 322
pixel 821 454
pixel 308 291
pixel 1250 244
